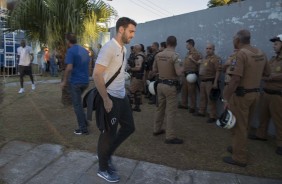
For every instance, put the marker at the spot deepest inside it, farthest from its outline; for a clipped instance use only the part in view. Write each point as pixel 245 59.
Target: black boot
pixel 137 103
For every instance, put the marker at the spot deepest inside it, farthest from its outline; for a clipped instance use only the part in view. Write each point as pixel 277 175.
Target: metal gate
pixel 8 56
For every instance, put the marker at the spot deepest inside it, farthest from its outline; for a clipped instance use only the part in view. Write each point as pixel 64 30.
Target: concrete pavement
pixel 27 163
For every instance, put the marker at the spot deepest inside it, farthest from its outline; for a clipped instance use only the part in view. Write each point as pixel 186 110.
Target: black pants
pixel 25 70
pixel 111 138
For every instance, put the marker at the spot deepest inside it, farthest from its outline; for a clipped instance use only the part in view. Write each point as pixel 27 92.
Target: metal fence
pixel 12 68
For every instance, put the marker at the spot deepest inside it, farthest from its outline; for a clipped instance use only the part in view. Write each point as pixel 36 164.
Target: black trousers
pixel 25 70
pixel 110 139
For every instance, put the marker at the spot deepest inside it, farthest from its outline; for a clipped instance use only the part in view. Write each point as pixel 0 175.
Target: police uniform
pixel 167 94
pixel 209 66
pixel 227 66
pixel 189 89
pixel 271 102
pixel 137 85
pixel 250 65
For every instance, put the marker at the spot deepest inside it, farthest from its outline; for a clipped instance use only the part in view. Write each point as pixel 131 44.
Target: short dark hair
pixel 142 47
pixel 149 49
pixel 124 22
pixel 156 44
pixel 171 41
pixel 244 36
pixel 191 42
pixel 71 37
pixel 163 44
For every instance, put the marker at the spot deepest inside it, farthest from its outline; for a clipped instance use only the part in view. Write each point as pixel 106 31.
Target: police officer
pixel 209 72
pixel 136 84
pixel 191 66
pixel 227 66
pixel 167 65
pixel 272 97
pixel 242 93
pixel 151 75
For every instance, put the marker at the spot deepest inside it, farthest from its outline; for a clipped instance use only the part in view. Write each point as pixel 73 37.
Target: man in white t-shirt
pixel 25 57
pixel 116 106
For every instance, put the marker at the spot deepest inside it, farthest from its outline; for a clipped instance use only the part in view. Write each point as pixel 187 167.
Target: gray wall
pixel 218 25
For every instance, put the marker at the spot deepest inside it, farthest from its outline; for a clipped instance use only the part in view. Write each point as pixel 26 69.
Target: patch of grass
pixel 39 117
pixel 37 78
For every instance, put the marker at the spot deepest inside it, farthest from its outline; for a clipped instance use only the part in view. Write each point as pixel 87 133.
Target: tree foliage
pixel 215 3
pixel 47 21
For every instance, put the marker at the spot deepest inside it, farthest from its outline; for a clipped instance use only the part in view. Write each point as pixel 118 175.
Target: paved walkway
pixel 27 163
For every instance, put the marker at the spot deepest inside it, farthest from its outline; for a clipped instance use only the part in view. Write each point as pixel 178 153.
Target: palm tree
pixel 47 21
pixel 215 3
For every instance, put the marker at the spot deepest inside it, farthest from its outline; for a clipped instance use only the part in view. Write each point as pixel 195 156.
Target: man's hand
pixel 215 86
pixel 108 104
pixel 191 57
pixel 269 78
pixel 225 104
pixel 63 84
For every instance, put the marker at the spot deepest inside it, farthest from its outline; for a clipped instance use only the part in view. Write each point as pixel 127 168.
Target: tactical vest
pixel 139 74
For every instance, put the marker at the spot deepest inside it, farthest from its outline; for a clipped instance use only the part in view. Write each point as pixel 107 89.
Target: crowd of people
pixel 195 76
pixel 249 78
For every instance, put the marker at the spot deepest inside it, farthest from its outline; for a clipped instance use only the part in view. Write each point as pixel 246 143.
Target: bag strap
pixel 116 74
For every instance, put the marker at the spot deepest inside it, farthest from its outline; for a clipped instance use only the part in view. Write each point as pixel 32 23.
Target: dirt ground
pixel 39 117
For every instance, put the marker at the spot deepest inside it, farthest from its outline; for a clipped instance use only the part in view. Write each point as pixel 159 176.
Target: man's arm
pixel 101 87
pixel 31 57
pixel 273 77
pixel 268 76
pixel 227 64
pixel 217 74
pixel 178 69
pixel 66 74
pixel 155 69
pixel 195 57
pixel 215 82
pixel 276 77
pixel 18 54
pixel 230 89
pixel 138 64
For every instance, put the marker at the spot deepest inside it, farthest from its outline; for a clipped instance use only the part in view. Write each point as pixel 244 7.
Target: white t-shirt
pixel 24 54
pixel 112 55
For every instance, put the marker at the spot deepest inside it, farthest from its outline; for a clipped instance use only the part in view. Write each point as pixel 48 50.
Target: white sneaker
pixel 33 86
pixel 21 90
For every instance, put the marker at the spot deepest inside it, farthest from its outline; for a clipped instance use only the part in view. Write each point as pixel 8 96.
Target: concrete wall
pixel 217 25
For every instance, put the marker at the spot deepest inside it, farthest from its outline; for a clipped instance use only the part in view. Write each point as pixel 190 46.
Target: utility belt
pixel 169 82
pixel 208 80
pixel 190 72
pixel 241 91
pixel 272 92
pixel 137 75
pixel 175 83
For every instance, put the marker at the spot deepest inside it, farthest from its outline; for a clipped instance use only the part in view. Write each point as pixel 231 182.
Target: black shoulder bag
pixel 89 99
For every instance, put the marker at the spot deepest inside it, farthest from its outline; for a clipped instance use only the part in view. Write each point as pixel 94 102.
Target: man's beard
pixel 124 39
